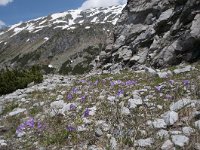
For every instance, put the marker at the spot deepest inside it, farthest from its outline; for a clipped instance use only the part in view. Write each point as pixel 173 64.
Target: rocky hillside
pixel 68 40
pixel 105 111
pixel 156 33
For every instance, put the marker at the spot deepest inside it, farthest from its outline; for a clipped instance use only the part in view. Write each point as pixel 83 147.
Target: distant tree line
pixel 13 79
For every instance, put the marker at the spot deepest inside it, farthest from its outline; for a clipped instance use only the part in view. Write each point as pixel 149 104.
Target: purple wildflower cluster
pixel 71 93
pixel 171 82
pixel 74 90
pixel 29 124
pixel 70 128
pixel 112 84
pixel 96 82
pixel 69 96
pixel 186 83
pixel 120 92
pixel 83 98
pixel 86 113
pixel 158 88
pixel 126 83
pixel 130 82
pixel 72 107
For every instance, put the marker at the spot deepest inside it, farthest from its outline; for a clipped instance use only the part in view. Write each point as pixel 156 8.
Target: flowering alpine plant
pixel 70 128
pixel 74 90
pixel 186 82
pixel 171 82
pixel 103 81
pixel 168 96
pixel 83 98
pixel 158 88
pixel 21 128
pixel 130 82
pixel 120 92
pixel 72 107
pixel 86 113
pixel 69 96
pixel 40 126
pixel 29 124
pixel 83 81
pixel 112 84
pixel 96 82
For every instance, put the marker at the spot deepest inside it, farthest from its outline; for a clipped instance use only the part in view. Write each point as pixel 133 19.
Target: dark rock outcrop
pixel 156 33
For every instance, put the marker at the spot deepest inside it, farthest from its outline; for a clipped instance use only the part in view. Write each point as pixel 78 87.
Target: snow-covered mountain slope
pixel 66 20
pixel 58 38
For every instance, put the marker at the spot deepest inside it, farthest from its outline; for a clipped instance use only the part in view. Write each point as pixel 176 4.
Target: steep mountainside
pixel 156 33
pixel 62 40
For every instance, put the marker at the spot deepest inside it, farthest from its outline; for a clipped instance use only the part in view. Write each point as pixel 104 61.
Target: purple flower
pixel 168 96
pixel 158 88
pixel 186 82
pixel 112 84
pixel 104 81
pixel 72 107
pixel 171 82
pixel 39 125
pixel 83 98
pixel 30 123
pixel 69 96
pixel 120 92
pixel 86 113
pixel 70 128
pixel 21 128
pixel 129 82
pixel 96 82
pixel 119 81
pixel 82 81
pixel 74 90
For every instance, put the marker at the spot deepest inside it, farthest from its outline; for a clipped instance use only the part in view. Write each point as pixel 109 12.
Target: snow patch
pixel 46 38
pixel 87 27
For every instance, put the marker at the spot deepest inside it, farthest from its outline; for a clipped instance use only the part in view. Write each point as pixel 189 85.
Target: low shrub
pixel 11 80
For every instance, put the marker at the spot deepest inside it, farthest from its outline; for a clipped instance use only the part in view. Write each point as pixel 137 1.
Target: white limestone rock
pixel 144 142
pixel 57 104
pixel 17 111
pixel 188 131
pixel 59 97
pixel 170 117
pixel 133 103
pixel 113 143
pixel 3 143
pixel 197 124
pixel 180 140
pixel 182 70
pixel 159 124
pixel 164 74
pixel 165 15
pixel 1 109
pixel 163 134
pixel 195 31
pixel 167 145
pixel 176 106
pixel 125 111
pixel 112 99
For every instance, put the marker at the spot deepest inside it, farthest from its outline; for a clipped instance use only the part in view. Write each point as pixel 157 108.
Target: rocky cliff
pixel 156 33
pixel 66 41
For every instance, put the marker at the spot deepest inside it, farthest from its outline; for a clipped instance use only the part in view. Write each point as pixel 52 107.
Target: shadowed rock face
pixel 157 33
pixel 59 38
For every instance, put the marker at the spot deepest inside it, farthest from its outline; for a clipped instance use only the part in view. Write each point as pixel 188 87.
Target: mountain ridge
pixel 41 40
